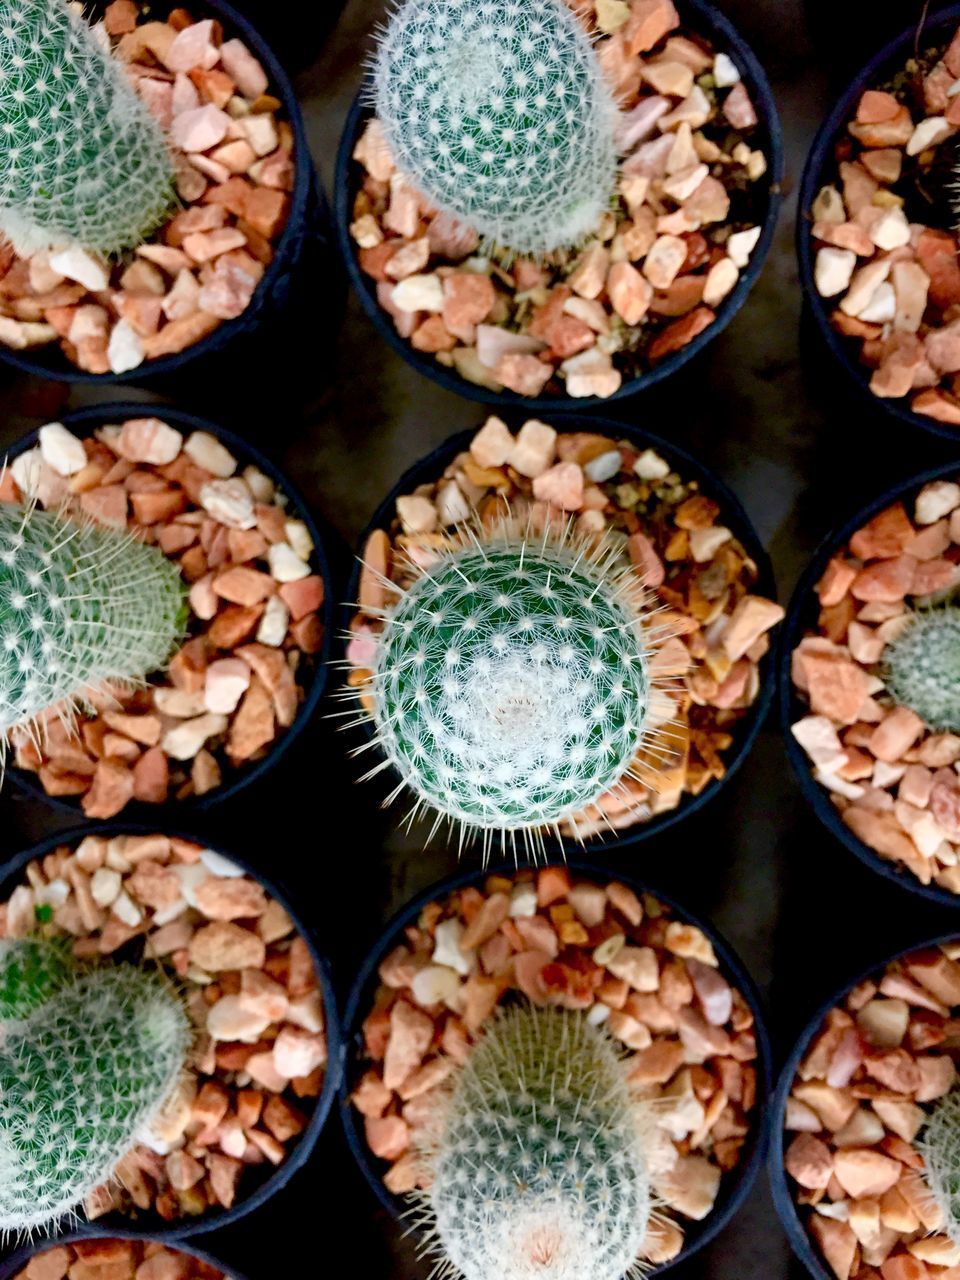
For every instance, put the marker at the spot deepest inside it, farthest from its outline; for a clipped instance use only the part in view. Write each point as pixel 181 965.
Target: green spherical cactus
pixel 80 606
pixel 80 1080
pixel 497 111
pixel 922 667
pixel 512 685
pixel 31 971
pixel 939 1145
pixel 538 1167
pixel 82 161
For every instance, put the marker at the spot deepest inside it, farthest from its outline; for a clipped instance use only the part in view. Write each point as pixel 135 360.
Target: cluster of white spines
pixel 82 161
pixel 922 666
pixel 80 606
pixel 81 1078
pixel 538 1167
pixel 512 686
pixel 940 1146
pixel 498 112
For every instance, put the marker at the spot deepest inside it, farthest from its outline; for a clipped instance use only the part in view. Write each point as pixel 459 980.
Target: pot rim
pixel 280 1176
pixel 791 708
pixel 741 1179
pixel 718 26
pixel 89 419
pixel 432 465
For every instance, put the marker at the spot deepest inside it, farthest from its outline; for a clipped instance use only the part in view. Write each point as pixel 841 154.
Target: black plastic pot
pixel 820 169
pixel 307 226
pixel 86 421
pixel 17 1260
pixel 736 1185
pixel 274 1179
pixel 430 468
pixel 782 1189
pixel 701 16
pixel 801 615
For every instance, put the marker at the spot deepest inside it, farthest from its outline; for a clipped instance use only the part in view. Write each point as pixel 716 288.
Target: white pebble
pixel 741 244
pixel 650 466
pixel 77 264
pixel 436 984
pixel 125 348
pixel 105 886
pixel 604 467
pixel 452 506
pixel 417 513
pixel 721 278
pixel 126 910
pixel 882 307
pixel 705 543
pixel 724 71
pixel 936 500
pixel 218 865
pixel 190 874
pixel 523 901
pixel 230 502
pixel 419 293
pixel 274 623
pixel 208 453
pixel 260 485
pixel 61 449
pixel 298 535
pixel 928 133
pixel 833 271
pixel 285 564
pixel 446 949
pixel 27 471
pixel 53 894
pixel 184 741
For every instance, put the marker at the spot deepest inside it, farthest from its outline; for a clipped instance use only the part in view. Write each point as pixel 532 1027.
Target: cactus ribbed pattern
pixel 939 1145
pixel 80 606
pixel 511 686
pixel 79 1081
pixel 922 667
pixel 82 161
pixel 538 1169
pixel 31 970
pixel 498 112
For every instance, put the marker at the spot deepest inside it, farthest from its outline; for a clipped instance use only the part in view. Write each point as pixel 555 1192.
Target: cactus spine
pixel 80 1078
pixel 31 970
pixel 939 1145
pixel 498 112
pixel 539 1167
pixel 922 667
pixel 80 607
pixel 512 686
pixel 82 161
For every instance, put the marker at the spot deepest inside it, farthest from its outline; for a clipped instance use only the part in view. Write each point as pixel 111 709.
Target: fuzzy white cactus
pixel 82 161
pixel 513 684
pixel 939 1145
pixel 81 1078
pixel 538 1164
pixel 498 112
pixel 80 607
pixel 922 667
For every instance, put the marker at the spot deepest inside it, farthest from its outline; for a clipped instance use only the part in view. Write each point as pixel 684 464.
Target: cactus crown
pixel 512 686
pixel 940 1147
pixel 498 112
pixel 80 607
pixel 31 970
pixel 538 1167
pixel 81 1077
pixel 82 161
pixel 922 667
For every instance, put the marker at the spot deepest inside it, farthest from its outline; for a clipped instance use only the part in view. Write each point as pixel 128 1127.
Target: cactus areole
pixel 538 1170
pixel 82 161
pixel 512 686
pixel 498 112
pixel 81 607
pixel 922 667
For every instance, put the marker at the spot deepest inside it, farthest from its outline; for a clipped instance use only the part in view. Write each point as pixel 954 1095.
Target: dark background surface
pixel 764 407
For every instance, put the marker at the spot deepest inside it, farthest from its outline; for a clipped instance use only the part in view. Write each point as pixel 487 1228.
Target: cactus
pixel 939 1144
pixel 82 160
pixel 498 112
pixel 538 1165
pixel 31 971
pixel 80 1080
pixel 512 686
pixel 80 606
pixel 922 667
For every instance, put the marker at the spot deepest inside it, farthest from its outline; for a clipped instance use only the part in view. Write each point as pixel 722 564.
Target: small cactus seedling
pixel 82 161
pixel 498 112
pixel 940 1147
pixel 538 1167
pixel 81 607
pixel 513 683
pixel 922 667
pixel 81 1078
pixel 31 970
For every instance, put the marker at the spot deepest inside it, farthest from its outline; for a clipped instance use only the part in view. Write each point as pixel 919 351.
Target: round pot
pixel 736 1185
pixel 937 25
pixel 708 20
pixel 745 732
pixel 802 612
pixel 780 1187
pixel 274 1179
pixel 17 1260
pixel 307 225
pixel 86 421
